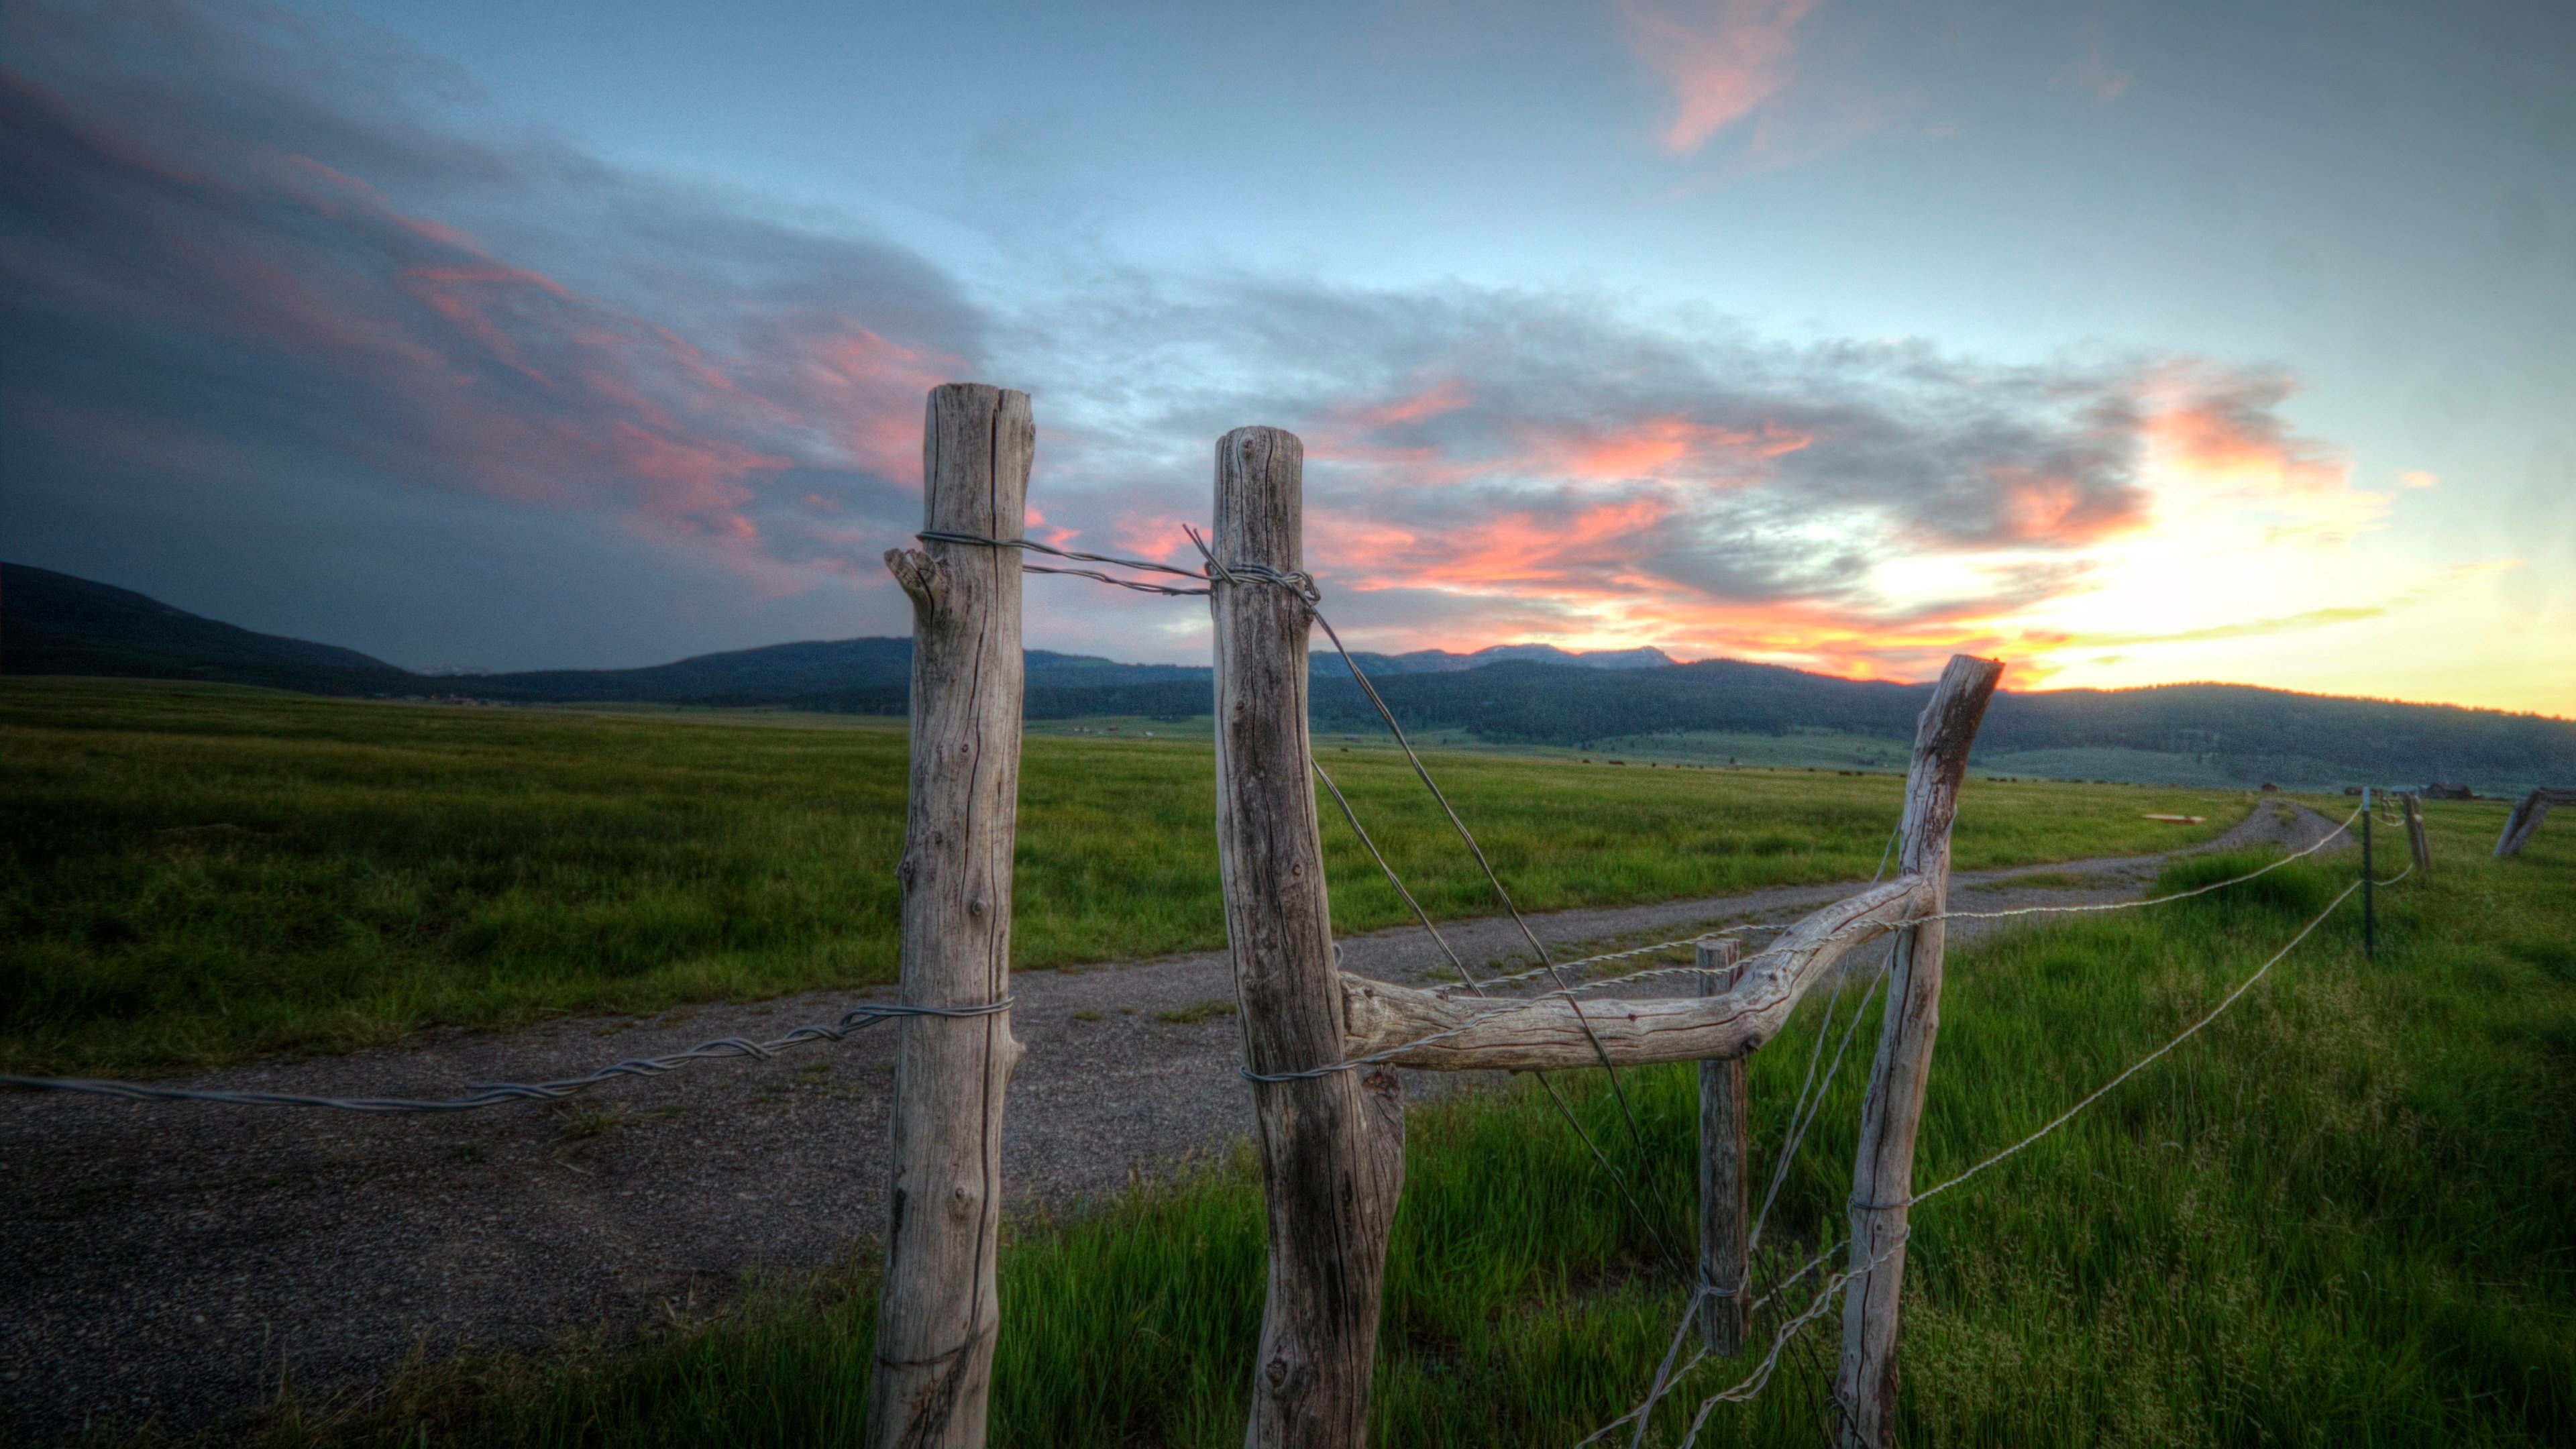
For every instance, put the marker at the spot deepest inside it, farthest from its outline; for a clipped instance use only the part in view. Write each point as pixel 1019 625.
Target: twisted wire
pixel 493 1094
pixel 935 535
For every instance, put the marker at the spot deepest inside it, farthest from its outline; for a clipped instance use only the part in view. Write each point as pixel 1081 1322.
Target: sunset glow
pixel 1782 331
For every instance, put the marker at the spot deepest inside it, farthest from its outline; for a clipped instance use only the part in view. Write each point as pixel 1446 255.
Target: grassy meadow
pixel 191 875
pixel 2341 1215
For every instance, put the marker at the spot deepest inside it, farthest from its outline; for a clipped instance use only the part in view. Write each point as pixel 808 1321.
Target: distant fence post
pixel 1883 1172
pixel 1332 1146
pixel 2369 884
pixel 2526 818
pixel 937 1314
pixel 2416 843
pixel 1723 1267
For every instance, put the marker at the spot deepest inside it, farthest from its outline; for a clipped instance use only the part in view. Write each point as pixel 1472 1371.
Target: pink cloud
pixel 1721 58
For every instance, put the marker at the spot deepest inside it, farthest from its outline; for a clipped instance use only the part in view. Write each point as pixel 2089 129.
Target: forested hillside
pixel 52 623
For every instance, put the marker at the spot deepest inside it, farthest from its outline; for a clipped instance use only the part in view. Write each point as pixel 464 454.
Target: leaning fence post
pixel 937 1314
pixel 1722 1254
pixel 2416 844
pixel 2526 818
pixel 1883 1170
pixel 1332 1145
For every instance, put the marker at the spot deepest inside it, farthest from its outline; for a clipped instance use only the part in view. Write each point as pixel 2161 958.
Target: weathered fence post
pixel 2416 843
pixel 1883 1171
pixel 1722 1254
pixel 1332 1146
pixel 937 1314
pixel 2526 818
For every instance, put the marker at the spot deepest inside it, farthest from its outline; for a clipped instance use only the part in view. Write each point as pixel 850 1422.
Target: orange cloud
pixel 1445 396
pixel 1656 447
pixel 2052 508
pixel 2230 430
pixel 1722 58
pixel 2219 441
pixel 1522 553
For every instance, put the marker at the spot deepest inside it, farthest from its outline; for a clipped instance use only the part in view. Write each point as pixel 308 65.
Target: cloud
pixel 1721 58
pixel 2091 71
pixel 2249 629
pixel 279 320
pixel 2218 437
pixel 276 255
pixel 1487 466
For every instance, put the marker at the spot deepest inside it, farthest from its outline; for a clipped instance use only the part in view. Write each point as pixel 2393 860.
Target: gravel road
pixel 169 1261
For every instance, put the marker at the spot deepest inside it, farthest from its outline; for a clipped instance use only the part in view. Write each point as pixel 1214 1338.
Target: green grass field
pixel 2342 1215
pixel 192 875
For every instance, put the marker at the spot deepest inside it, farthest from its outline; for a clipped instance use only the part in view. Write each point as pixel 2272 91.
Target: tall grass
pixel 2341 1215
pixel 194 875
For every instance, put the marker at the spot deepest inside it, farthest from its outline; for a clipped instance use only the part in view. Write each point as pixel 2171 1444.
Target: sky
pixel 2129 343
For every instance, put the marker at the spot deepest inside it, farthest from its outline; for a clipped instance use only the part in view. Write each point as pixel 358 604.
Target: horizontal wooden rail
pixel 1545 1034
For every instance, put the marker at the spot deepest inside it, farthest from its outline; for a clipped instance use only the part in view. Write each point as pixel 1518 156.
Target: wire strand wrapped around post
pixel 939 1312
pixel 1332 1144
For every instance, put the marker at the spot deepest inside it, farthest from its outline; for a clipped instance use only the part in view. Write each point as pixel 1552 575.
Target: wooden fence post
pixel 937 1314
pixel 1332 1146
pixel 1883 1172
pixel 2369 884
pixel 2416 842
pixel 2526 818
pixel 1722 1190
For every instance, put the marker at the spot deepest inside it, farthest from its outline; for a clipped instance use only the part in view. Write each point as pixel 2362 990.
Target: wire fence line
pixel 1566 993
pixel 498 1093
pixel 1304 587
pixel 1516 977
pixel 1753 1383
pixel 494 1094
pixel 1556 1098
pixel 1813 1090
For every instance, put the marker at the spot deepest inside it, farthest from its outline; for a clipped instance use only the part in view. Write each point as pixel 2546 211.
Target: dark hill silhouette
pixel 53 623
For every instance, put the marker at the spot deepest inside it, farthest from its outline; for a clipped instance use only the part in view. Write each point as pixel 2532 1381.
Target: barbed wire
pixel 494 1094
pixel 934 535
pixel 1303 585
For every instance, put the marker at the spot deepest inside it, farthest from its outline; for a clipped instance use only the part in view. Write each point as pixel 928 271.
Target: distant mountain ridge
pixel 53 623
